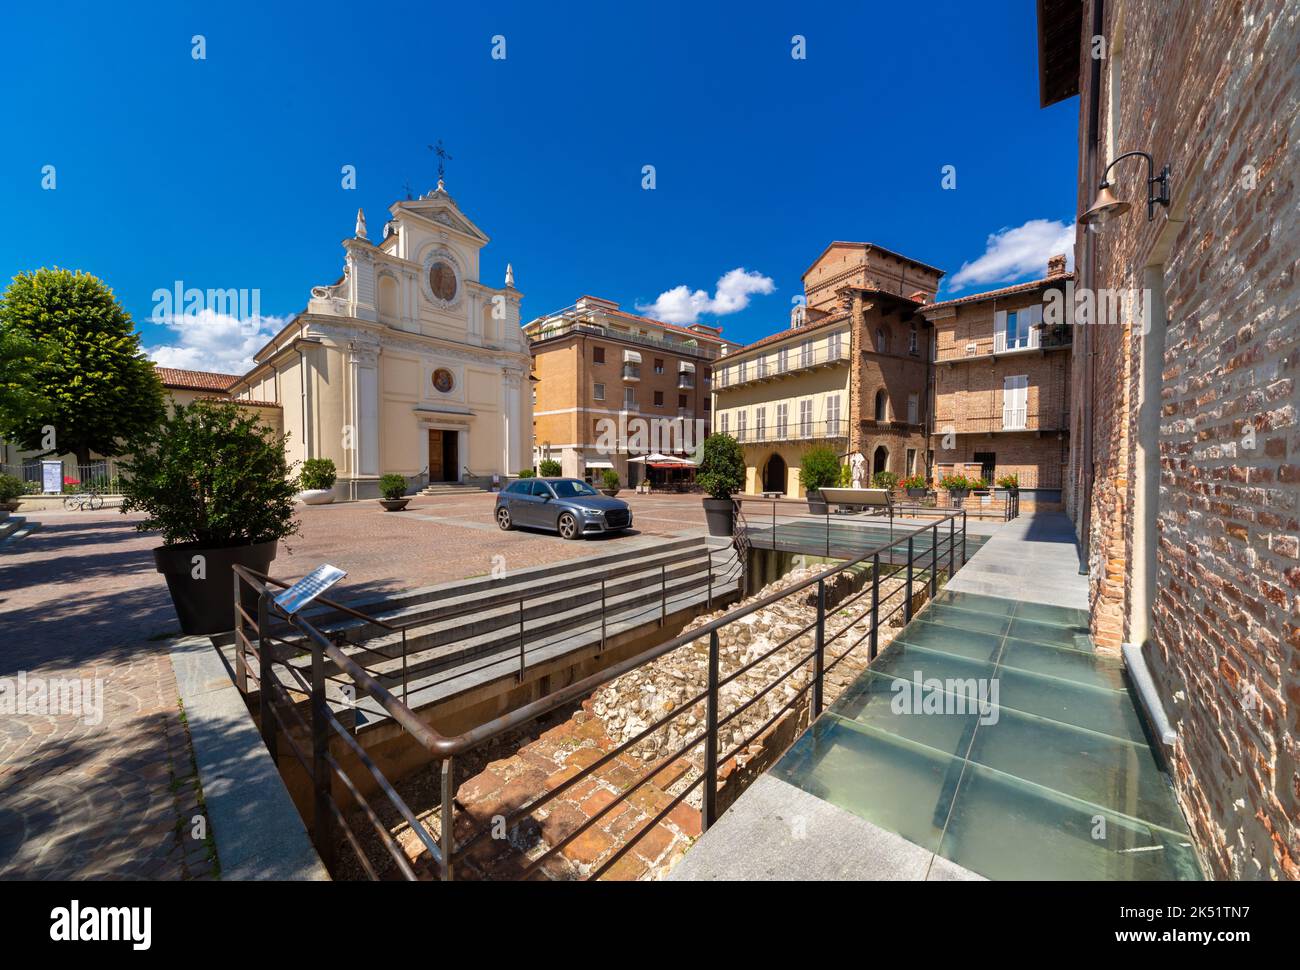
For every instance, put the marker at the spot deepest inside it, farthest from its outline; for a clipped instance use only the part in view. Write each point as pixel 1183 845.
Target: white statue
pixel 510 275
pixel 858 463
pixel 361 225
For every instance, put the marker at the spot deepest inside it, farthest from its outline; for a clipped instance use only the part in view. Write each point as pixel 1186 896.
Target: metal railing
pixel 913 557
pixel 793 429
pixel 731 373
pixel 1006 419
pixel 548 331
pixel 99 477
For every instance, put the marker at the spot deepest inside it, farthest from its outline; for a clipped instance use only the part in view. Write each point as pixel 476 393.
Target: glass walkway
pixel 991 734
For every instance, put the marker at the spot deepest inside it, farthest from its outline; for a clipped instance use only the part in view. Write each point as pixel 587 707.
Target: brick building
pixel 594 362
pixel 1186 455
pixel 1001 387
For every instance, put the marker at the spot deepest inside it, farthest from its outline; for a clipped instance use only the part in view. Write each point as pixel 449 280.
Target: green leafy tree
pixel 819 469
pixel 212 475
pixel 722 469
pixel 80 368
pixel 550 468
pixel 318 473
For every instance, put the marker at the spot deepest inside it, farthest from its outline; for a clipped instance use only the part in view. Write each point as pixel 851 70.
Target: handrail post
pixel 827 513
pixel 663 594
pixel 819 650
pixel 241 660
pixel 448 839
pixel 521 639
pixel 602 613
pixel 964 560
pixel 264 679
pixel 322 820
pixel 709 552
pixel 711 737
pixel 406 686
pixel 907 608
pixel 875 604
pixel 952 544
pixel 934 560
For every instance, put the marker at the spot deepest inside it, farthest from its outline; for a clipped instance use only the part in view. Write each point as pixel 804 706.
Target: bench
pixel 879 500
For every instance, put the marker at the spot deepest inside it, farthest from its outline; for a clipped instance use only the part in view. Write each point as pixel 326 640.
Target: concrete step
pixel 15 529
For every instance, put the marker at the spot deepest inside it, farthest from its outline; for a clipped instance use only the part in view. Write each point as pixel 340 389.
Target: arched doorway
pixel 880 460
pixel 774 475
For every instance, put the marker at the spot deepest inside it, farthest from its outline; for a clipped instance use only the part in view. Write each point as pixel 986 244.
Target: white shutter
pixel 1015 401
pixel 1034 317
pixel 999 331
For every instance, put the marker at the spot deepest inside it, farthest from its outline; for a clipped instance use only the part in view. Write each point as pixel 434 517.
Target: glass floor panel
pixel 1004 828
pixel 1096 768
pixel 1056 781
pixel 1077 666
pixel 904 787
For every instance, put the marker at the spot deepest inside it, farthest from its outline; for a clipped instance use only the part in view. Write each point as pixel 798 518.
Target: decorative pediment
pixel 439 207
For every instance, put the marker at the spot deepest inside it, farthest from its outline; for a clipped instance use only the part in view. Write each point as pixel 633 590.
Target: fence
pixel 914 557
pixel 97 476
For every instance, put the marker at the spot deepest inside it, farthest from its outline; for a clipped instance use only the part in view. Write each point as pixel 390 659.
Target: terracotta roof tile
pixel 1004 291
pixel 195 380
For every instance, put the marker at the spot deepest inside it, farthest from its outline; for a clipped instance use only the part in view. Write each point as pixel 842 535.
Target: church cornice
pixel 346 330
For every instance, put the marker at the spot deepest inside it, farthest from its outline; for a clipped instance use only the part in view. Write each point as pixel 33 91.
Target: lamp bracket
pixel 1154 196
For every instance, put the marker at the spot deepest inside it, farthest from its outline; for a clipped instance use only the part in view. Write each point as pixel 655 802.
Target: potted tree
pixel 609 482
pixel 957 486
pixel 11 490
pixel 317 480
pixel 722 475
pixel 819 469
pixel 550 468
pixel 215 482
pixel 393 489
pixel 915 486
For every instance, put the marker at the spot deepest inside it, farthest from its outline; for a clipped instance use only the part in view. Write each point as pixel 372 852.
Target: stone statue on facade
pixel 858 465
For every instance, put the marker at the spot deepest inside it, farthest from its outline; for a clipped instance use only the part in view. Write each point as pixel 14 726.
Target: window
pixel 911 341
pixel 1015 400
pixel 781 414
pixel 760 424
pixel 740 425
pixel 629 398
pixel 782 360
pixel 805 418
pixel 726 422
pixel 805 354
pixel 744 368
pixel 880 341
pixel 708 404
pixel 882 405
pixel 913 409
pixel 598 355
pixel 598 392
pixel 659 365
pixel 762 367
pixel 833 415
pixel 835 346
pixel 1017 329
pixel 681 400
pixel 911 461
pixel 659 399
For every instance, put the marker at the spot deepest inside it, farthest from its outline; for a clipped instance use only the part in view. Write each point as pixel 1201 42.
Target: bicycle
pixel 82 501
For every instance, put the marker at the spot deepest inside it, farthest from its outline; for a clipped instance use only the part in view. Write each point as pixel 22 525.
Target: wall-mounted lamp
pixel 1107 206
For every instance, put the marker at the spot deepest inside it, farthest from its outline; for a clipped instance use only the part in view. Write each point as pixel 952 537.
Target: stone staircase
pixel 462 635
pixel 449 488
pixel 14 529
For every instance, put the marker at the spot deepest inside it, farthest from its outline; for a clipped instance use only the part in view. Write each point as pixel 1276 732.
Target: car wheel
pixel 503 519
pixel 568 526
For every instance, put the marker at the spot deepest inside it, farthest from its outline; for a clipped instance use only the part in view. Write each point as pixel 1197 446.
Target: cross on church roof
pixel 443 158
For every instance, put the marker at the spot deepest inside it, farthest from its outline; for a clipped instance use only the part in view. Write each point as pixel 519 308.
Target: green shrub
pixel 550 468
pixel 11 488
pixel 819 469
pixel 846 476
pixel 211 475
pixel 884 479
pixel 392 486
pixel 609 478
pixel 527 473
pixel 318 473
pixel 722 469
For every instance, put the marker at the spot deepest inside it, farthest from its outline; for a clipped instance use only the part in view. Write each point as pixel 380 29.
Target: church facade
pixel 407 363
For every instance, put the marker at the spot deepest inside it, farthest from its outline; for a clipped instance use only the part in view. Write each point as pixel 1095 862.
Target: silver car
pixel 568 506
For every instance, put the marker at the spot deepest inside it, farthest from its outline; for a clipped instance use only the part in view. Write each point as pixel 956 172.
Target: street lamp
pixel 1107 206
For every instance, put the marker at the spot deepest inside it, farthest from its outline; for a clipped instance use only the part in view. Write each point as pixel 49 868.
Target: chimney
pixel 1056 265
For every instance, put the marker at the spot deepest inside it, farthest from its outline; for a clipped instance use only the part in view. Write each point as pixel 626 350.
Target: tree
pixel 722 469
pixel 82 374
pixel 819 469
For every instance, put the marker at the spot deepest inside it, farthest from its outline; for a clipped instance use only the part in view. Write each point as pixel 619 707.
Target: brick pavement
pixel 80 598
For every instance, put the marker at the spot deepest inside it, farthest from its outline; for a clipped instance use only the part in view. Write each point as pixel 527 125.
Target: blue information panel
pixel 308 588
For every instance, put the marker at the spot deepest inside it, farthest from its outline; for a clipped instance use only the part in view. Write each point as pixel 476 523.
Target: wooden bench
pixel 879 501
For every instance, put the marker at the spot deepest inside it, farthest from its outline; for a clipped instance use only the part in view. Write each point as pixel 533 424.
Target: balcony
pixel 685 382
pixel 794 431
pixel 686 412
pixel 1010 419
pixel 568 326
pixel 631 372
pixel 794 361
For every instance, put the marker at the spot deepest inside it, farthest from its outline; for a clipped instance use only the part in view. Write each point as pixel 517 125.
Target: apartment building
pixel 1184 475
pixel 782 395
pixel 604 376
pixel 1001 386
pixel 864 386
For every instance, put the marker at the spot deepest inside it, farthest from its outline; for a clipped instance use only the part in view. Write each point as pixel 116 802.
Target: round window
pixel 442 281
pixel 442 380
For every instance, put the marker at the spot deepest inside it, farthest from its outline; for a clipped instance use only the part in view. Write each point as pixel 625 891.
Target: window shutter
pixel 999 331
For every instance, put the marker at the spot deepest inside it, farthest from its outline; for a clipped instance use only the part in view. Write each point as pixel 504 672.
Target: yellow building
pixel 783 395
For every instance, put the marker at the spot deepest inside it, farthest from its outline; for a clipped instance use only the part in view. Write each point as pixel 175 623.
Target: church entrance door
pixel 443 459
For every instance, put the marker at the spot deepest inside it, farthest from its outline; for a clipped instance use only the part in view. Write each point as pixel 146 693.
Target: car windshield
pixel 569 488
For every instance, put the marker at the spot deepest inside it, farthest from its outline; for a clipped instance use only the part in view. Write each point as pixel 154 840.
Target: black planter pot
pixel 610 492
pixel 816 504
pixel 205 606
pixel 916 493
pixel 719 513
pixel 393 504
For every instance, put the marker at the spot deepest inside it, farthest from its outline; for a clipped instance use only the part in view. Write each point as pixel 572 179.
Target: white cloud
pixel 683 305
pixel 213 341
pixel 1016 252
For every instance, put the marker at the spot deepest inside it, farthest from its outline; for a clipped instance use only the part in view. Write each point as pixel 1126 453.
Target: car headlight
pixel 592 513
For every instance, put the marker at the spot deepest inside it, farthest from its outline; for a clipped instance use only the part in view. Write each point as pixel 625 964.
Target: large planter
pixel 816 504
pixel 916 493
pixel 317 496
pixel 206 605
pixel 719 514
pixel 610 492
pixel 958 495
pixel 393 504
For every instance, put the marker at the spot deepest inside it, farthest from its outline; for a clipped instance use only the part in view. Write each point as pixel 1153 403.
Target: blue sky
pixel 225 172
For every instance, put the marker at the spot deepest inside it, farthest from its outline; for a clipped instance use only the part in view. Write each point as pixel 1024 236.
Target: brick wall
pixel 1211 89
